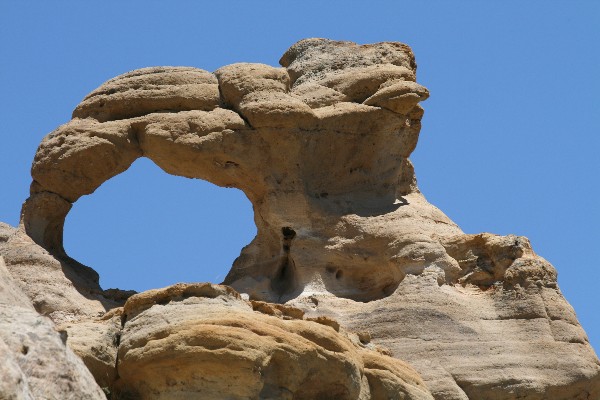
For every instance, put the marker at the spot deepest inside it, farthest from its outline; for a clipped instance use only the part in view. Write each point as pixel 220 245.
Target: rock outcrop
pixel 35 362
pixel 321 148
pixel 203 340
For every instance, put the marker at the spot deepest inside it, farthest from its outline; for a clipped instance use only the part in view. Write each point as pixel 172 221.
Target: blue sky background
pixel 509 144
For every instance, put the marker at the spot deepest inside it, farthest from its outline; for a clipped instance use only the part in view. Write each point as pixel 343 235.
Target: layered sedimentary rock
pixel 58 287
pixel 203 340
pixel 35 363
pixel 321 148
pixel 508 337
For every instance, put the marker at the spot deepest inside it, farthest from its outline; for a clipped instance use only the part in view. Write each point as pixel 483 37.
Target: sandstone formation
pixel 35 362
pixel 321 148
pixel 204 341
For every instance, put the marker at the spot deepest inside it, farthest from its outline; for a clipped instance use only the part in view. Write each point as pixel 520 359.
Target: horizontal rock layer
pixel 202 340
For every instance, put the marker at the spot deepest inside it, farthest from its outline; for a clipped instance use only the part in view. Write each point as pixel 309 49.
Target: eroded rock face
pixel 59 288
pixel 315 168
pixel 514 338
pixel 320 147
pixel 203 340
pixel 35 363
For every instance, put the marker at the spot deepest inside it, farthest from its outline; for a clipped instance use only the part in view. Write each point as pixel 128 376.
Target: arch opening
pixel 145 229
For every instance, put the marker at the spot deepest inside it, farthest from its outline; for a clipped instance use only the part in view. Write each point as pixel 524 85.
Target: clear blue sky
pixel 509 144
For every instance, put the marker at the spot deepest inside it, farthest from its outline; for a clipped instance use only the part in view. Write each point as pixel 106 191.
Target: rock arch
pixel 320 149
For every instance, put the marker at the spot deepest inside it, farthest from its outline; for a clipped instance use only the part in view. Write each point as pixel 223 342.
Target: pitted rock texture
pixel 504 332
pixel 59 288
pixel 96 341
pixel 321 148
pixel 317 168
pixel 203 340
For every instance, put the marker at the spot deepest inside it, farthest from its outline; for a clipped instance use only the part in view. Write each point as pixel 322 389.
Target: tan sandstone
pixel 35 362
pixel 321 147
pixel 203 340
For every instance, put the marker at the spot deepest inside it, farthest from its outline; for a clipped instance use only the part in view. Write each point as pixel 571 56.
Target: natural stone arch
pixel 144 222
pixel 321 151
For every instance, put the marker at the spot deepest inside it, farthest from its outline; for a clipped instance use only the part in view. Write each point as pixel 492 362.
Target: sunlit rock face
pixel 205 341
pixel 35 362
pixel 321 147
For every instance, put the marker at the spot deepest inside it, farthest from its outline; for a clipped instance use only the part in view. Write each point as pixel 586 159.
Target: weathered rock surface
pixel 320 147
pixel 513 339
pixel 35 363
pixel 314 175
pixel 58 287
pixel 203 340
pixel 95 341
